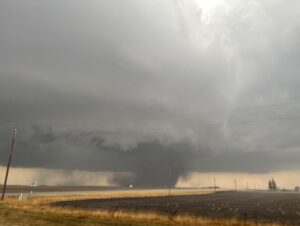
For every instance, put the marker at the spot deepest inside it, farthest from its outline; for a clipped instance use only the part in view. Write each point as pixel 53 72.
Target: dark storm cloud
pixel 116 85
pixel 154 163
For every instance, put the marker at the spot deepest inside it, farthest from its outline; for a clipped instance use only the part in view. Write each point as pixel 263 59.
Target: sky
pixel 147 87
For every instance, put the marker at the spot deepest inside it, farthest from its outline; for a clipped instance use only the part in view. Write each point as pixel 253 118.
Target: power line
pixel 224 110
pixel 203 124
pixel 211 124
pixel 174 116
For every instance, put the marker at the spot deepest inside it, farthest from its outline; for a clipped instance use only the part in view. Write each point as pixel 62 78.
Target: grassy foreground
pixel 36 212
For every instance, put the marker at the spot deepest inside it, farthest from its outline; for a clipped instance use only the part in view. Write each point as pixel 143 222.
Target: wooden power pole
pixel 9 161
pixel 215 186
pixel 169 181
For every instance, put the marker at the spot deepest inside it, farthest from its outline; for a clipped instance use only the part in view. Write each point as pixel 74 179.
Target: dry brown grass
pixel 38 204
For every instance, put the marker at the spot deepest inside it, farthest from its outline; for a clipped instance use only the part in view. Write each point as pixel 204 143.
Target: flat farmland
pixel 261 207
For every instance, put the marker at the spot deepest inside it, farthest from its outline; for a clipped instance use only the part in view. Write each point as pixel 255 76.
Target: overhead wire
pixel 193 114
pixel 174 116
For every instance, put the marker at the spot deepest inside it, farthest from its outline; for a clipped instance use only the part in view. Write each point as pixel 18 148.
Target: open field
pixel 282 208
pixel 40 211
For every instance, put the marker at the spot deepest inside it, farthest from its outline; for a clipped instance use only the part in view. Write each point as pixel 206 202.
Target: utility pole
pixel 235 185
pixel 169 181
pixel 215 186
pixel 14 135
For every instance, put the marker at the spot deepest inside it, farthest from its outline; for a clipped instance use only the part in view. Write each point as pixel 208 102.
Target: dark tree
pixel 272 185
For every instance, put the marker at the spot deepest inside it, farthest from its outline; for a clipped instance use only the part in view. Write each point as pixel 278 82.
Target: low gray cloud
pixel 153 163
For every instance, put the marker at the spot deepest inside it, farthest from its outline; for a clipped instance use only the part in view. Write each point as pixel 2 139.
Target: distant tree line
pixel 272 185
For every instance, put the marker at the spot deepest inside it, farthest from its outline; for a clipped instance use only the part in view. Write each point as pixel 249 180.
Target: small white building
pixel 34 184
